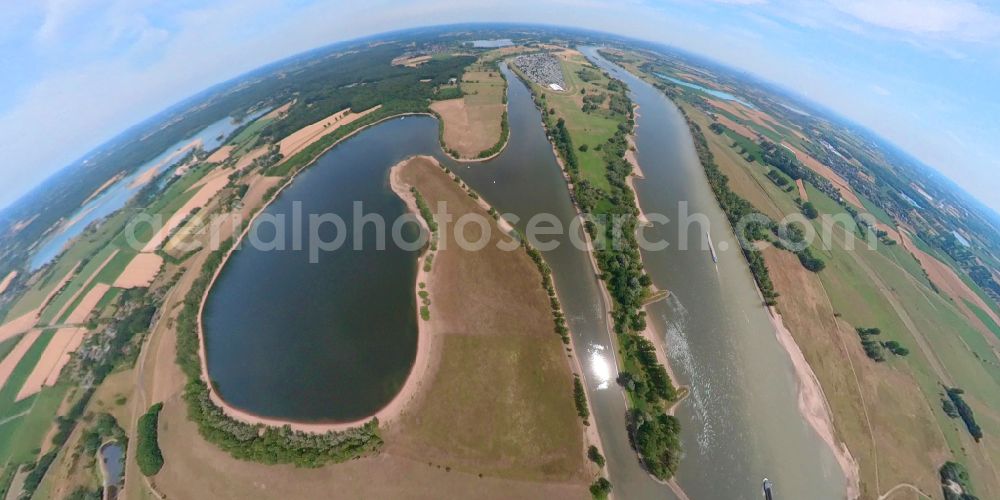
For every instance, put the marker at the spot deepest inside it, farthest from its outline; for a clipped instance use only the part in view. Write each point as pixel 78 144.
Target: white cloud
pixel 739 2
pixel 961 20
pixel 55 15
pixel 880 90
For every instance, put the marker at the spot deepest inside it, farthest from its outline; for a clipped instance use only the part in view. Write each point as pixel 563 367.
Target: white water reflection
pixel 600 366
pixel 700 386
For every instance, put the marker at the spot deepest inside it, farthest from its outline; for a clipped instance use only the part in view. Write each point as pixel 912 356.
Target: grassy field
pixel 26 421
pixel 985 318
pixel 7 345
pixel 9 391
pixel 472 123
pixel 245 140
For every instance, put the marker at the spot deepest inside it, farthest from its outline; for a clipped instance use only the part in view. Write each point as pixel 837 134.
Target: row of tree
pixel 654 432
pixel 737 208
pixel 965 412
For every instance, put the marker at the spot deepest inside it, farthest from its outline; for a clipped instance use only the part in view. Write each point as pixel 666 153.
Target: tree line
pixel 654 433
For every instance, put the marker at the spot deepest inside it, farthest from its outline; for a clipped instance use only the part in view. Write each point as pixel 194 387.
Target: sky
pixel 921 73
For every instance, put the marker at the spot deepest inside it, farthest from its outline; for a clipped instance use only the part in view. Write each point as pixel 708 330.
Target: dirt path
pixel 900 487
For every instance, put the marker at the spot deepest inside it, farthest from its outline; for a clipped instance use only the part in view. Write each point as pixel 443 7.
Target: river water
pixel 334 340
pixel 741 422
pixel 118 194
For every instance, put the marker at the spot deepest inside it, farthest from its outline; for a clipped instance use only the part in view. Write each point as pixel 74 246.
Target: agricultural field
pixel 76 290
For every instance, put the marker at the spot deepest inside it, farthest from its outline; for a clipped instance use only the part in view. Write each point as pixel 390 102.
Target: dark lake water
pixel 332 340
pixel 111 455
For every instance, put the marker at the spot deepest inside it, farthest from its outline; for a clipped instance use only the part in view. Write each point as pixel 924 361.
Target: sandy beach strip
pixel 140 272
pixel 203 196
pixel 117 177
pixel 278 112
pixel 814 406
pixel 7 281
pixel 46 363
pixel 10 362
pixel 302 138
pixel 151 172
pixel 82 311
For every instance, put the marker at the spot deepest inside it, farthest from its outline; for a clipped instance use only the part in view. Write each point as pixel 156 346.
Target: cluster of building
pixel 542 68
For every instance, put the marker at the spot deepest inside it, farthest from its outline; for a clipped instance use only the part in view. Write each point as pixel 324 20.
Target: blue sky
pixel 922 73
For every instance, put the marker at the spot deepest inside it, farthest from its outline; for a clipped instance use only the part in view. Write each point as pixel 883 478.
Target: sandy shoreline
pixel 7 281
pixel 814 406
pixel 151 173
pixel 426 343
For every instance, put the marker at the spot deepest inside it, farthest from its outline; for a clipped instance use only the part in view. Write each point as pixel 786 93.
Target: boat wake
pixel 699 385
